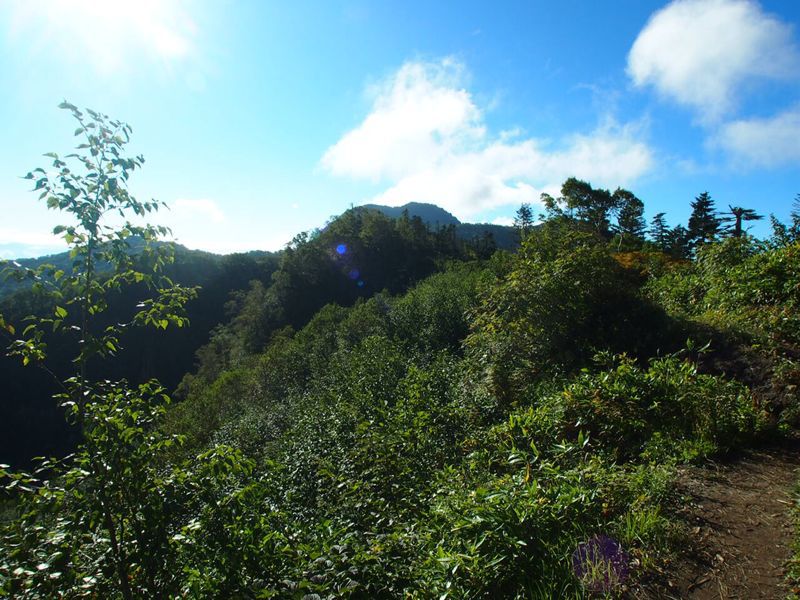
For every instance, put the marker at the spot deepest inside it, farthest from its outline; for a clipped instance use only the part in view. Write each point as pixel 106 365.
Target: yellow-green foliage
pixel 741 285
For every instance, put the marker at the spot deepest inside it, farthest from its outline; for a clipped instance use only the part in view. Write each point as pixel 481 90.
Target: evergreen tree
pixel 660 232
pixel 704 224
pixel 737 215
pixel 483 245
pixel 630 225
pixel 678 244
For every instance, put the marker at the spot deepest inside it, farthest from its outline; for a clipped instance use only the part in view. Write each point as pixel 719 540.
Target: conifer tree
pixel 659 232
pixel 678 242
pixel 704 224
pixel 738 215
pixel 630 216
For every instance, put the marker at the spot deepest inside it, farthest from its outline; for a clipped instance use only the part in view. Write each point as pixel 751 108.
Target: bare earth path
pixel 740 519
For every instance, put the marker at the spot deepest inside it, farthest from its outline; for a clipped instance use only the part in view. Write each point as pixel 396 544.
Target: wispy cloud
pixel 202 223
pixel 244 243
pixel 203 208
pixel 33 238
pixel 196 223
pixel 426 137
pixel 763 142
pixel 18 243
pixel 704 53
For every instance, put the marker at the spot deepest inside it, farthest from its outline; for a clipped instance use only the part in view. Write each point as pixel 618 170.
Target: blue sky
pixel 260 119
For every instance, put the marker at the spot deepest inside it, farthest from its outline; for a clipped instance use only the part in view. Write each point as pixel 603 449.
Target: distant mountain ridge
pixel 202 265
pixel 505 237
pixel 434 216
pixel 429 213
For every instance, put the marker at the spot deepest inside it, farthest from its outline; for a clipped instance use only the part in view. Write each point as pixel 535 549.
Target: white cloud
pixel 505 221
pixel 418 116
pixel 702 53
pixel 195 223
pixel 104 34
pixel 426 137
pixel 200 223
pixel 31 238
pixel 763 142
pixel 193 208
pixel 17 243
pixel 244 243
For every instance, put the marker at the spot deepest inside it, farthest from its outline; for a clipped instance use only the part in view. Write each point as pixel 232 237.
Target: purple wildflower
pixel 600 563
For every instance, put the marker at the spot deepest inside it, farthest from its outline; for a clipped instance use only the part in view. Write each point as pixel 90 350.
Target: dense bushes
pixel 389 468
pixel 375 459
pixel 384 419
pixel 746 294
pixel 563 299
pixel 627 413
pixel 741 285
pixel 380 420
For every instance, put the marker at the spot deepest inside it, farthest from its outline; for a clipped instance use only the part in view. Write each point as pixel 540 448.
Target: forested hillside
pixel 389 411
pixel 261 291
pixel 32 424
pixel 487 236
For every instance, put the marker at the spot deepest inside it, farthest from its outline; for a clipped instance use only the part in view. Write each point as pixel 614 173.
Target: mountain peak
pixel 429 213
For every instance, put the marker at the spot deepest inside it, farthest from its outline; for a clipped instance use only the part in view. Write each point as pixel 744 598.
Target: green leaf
pixel 61 312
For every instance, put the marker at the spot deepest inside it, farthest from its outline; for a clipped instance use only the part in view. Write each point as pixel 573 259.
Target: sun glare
pixel 109 34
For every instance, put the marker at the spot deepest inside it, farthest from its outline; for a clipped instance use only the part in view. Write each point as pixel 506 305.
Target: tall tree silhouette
pixel 704 223
pixel 629 209
pixel 738 215
pixel 523 220
pixel 659 231
pixel 580 201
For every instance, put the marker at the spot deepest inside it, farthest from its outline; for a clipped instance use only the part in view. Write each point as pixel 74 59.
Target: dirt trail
pixel 740 521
